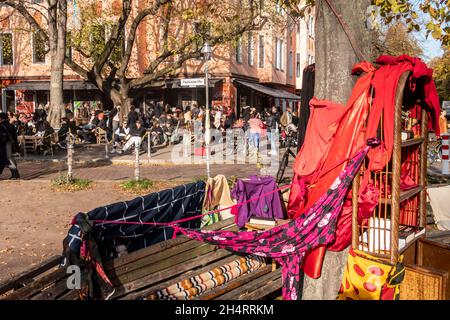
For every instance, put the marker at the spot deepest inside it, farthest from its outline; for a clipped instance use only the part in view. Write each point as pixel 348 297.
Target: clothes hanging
pixel 217 196
pixel 385 82
pixel 267 207
pixel 368 278
pixel 288 243
pixel 349 136
pixel 307 94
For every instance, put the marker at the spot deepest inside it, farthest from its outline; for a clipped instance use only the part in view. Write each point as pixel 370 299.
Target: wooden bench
pixel 139 273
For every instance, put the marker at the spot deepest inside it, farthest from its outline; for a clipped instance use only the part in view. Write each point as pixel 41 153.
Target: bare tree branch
pixel 132 34
pixel 19 6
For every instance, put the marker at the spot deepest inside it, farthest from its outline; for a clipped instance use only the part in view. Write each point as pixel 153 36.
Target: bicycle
pixel 434 151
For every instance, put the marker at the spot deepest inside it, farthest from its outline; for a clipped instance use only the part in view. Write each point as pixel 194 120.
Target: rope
pixel 344 26
pixel 171 224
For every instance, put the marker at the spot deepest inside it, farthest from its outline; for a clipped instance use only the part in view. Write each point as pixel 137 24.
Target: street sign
pixel 193 82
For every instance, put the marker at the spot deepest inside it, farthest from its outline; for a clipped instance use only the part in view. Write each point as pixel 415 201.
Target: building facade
pixel 262 69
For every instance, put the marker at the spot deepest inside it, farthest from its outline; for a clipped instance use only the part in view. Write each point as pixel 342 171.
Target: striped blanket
pixel 194 286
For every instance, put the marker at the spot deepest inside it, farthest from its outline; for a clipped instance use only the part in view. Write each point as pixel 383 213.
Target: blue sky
pixel 431 48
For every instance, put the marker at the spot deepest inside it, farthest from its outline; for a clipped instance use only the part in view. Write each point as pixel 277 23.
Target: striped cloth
pixel 194 286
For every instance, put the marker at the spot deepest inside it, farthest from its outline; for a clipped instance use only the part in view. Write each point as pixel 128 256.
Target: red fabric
pixel 385 83
pixel 348 138
pixel 319 168
pixel 367 201
pixel 322 124
pixel 419 71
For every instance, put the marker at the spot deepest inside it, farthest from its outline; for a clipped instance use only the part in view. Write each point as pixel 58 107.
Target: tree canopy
pixel 396 41
pixel 441 67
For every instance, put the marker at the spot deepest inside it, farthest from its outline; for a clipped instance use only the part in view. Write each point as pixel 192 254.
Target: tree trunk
pixel 335 58
pixel 57 17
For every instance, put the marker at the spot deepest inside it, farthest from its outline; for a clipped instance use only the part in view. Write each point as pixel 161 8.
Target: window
pixel 298 68
pixel 310 59
pixel 69 45
pixel 278 8
pixel 311 26
pixel 250 49
pixel 239 51
pixel 6 49
pixel 38 49
pixel 279 54
pixel 290 64
pixel 261 52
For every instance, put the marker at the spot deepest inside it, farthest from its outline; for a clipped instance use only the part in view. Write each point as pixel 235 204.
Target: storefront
pixel 262 97
pixel 26 96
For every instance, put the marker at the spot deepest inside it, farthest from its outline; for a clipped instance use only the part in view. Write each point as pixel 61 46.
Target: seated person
pixel 137 133
pixel 121 135
pixel 102 121
pixel 168 130
pixel 88 131
pixel 93 121
pixel 157 134
pixel 62 133
pixel 46 135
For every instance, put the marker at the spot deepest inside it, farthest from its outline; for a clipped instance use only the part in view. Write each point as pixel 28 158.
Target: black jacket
pixel 137 132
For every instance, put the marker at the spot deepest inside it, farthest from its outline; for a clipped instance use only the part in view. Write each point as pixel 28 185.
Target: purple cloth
pixel 266 207
pixel 289 242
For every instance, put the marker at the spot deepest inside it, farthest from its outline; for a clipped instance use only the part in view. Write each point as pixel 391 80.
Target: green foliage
pixel 6 48
pixel 63 183
pixel 436 12
pixel 441 67
pixel 94 33
pixel 137 186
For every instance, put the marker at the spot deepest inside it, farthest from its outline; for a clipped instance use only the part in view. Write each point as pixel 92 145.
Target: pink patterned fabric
pixel 288 243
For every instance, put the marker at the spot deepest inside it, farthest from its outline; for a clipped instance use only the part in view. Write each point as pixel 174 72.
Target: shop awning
pixel 276 93
pixel 45 85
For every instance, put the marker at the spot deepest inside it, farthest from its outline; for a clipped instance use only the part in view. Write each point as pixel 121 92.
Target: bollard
pixel 137 172
pixel 149 145
pixel 445 152
pixel 69 157
pixel 106 144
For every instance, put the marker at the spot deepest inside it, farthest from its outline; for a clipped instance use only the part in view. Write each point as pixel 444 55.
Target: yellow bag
pixel 368 278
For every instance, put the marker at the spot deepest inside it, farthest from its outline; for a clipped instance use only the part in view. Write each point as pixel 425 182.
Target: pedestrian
pixel 443 123
pixel 132 117
pixel 286 118
pixel 8 146
pixel 114 117
pixel 255 126
pixel 271 127
pixel 246 113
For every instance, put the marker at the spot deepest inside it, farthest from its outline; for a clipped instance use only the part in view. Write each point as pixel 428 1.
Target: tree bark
pixel 335 58
pixel 57 17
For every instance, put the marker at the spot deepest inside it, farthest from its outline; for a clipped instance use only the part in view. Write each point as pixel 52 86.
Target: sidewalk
pixel 170 155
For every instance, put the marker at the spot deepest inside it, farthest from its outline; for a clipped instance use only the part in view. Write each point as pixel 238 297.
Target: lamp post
pixel 207 54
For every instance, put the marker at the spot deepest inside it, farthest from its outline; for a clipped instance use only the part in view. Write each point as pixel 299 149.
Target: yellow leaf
pixel 437 34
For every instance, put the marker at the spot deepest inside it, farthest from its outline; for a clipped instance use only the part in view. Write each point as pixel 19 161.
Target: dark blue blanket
pixel 164 206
